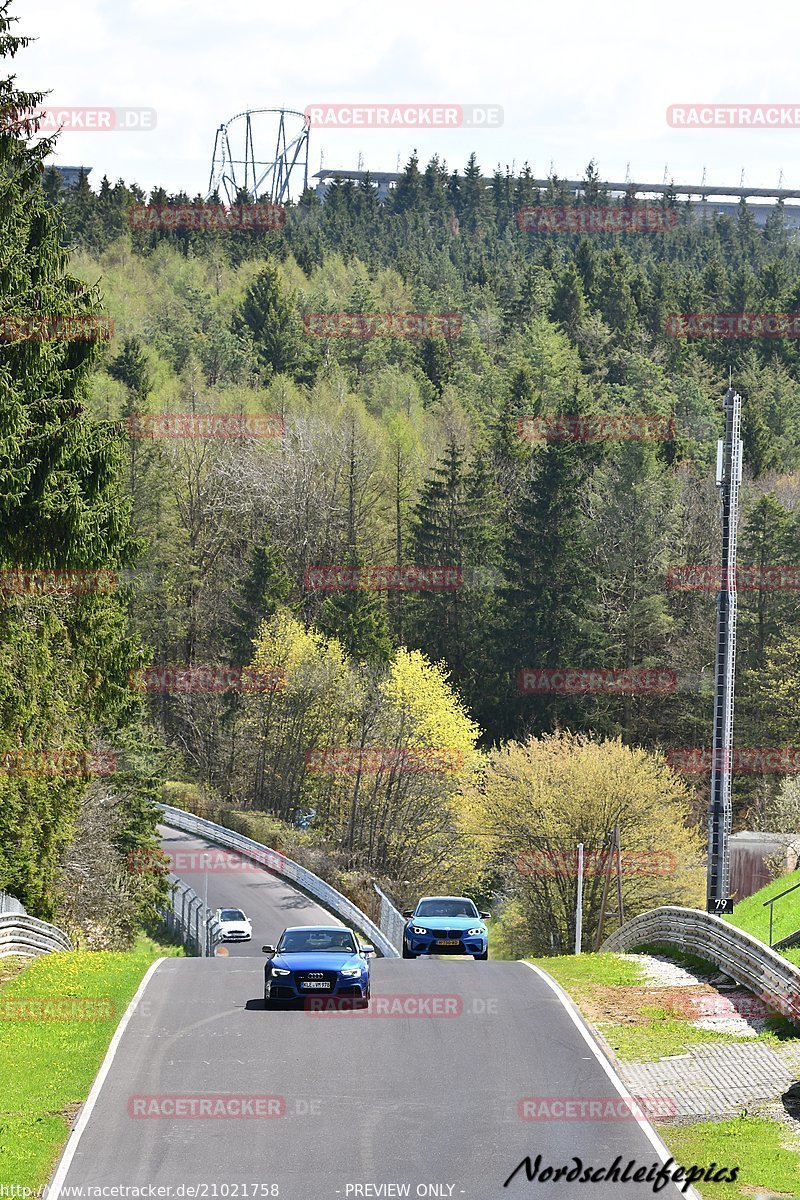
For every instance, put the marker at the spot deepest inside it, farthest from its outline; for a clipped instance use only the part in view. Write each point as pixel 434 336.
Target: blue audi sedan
pixel 445 925
pixel 317 960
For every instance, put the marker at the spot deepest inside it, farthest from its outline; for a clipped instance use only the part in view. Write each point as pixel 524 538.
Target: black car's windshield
pixel 446 908
pixel 231 914
pixel 323 941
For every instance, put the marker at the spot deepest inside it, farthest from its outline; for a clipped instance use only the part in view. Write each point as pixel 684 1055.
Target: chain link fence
pixel 188 920
pixel 391 920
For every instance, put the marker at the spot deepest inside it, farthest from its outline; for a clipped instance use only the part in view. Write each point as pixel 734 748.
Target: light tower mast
pixel 729 477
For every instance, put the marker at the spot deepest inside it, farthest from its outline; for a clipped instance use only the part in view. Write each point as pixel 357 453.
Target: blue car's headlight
pixel 475 932
pixel 351 971
pixel 280 971
pixel 418 929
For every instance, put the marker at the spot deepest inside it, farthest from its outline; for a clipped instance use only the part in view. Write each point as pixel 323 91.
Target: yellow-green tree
pixel 372 754
pixel 533 802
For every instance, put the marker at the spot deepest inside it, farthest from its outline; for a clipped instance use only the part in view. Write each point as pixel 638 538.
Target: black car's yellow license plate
pixel 447 941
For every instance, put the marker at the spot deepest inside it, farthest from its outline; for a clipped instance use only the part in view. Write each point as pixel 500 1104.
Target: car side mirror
pixel 408 912
pixel 486 916
pixel 368 951
pixel 268 950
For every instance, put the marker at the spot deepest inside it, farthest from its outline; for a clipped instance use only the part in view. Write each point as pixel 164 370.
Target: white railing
pixel 740 955
pixel 10 904
pixel 287 869
pixel 28 936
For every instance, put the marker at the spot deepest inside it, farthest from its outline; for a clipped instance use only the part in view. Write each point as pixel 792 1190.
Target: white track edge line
pixel 54 1189
pixel 578 1020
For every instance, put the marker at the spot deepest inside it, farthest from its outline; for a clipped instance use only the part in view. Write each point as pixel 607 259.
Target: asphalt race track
pixel 424 1094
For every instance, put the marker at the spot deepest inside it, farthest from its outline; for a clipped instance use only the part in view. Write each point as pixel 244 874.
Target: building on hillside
pixel 70 175
pixel 702 198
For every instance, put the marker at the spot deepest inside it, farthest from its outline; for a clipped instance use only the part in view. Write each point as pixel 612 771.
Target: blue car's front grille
pixel 311 977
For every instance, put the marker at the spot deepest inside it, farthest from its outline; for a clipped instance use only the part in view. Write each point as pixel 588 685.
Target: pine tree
pixel 265 588
pixel 65 659
pixel 551 598
pixel 274 326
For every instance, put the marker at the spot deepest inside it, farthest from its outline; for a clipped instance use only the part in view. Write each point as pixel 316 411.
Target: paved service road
pixel 270 903
pixel 420 1095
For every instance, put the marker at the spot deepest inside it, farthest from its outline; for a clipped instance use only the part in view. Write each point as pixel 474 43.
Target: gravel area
pixel 734 1010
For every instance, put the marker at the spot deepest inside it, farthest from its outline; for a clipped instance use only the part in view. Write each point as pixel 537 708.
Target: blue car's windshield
pixel 323 941
pixel 446 908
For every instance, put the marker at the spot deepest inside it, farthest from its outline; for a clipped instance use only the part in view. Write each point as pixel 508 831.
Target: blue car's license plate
pixel 447 941
pixel 316 985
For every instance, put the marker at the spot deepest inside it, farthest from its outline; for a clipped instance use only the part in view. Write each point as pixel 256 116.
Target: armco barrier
pixel 747 960
pixel 10 904
pixel 286 869
pixel 21 934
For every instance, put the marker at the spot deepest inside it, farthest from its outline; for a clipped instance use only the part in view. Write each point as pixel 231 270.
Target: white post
pixel 205 906
pixel 579 902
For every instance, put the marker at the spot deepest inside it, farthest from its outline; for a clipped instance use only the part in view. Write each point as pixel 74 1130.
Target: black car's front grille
pixel 303 977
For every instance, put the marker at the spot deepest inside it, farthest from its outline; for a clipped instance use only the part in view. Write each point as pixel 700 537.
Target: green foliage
pixel 65 655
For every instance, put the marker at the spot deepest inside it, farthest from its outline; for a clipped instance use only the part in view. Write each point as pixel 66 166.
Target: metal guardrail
pixel 746 959
pixel 10 904
pixel 28 936
pixel 287 869
pixel 190 920
pixel 392 921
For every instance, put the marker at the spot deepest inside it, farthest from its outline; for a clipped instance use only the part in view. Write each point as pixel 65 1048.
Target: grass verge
pixel 638 1023
pixel 762 1149
pixel 752 916
pixel 58 1014
pixel 759 1148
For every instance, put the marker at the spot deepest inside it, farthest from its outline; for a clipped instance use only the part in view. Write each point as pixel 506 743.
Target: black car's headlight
pixel 418 929
pixel 475 932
